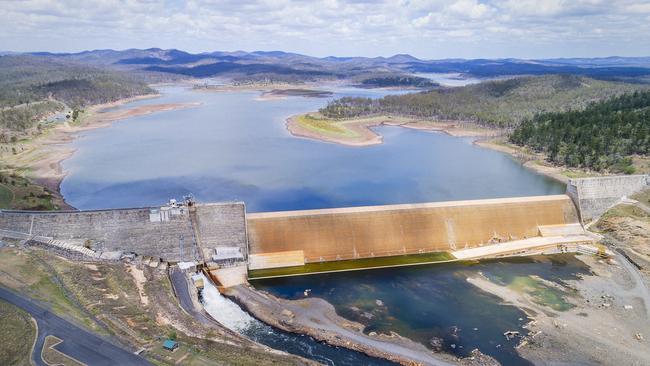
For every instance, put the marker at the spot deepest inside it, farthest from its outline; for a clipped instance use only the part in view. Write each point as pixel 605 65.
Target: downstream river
pixel 234 146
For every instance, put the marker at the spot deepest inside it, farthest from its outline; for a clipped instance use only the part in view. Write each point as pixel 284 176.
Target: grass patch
pixel 625 211
pixel 6 196
pixel 27 274
pixel 322 125
pixel 17 192
pixel 355 264
pixel 17 334
pixel 54 357
pixel 576 174
pixel 643 197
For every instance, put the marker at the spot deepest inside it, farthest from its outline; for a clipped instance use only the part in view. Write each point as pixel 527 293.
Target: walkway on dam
pixel 535 245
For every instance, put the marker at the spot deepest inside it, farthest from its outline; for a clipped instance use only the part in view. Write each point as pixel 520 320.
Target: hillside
pixel 33 87
pixel 502 103
pixel 604 136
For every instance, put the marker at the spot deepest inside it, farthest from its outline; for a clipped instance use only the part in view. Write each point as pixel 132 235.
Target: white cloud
pixel 469 8
pixel 449 28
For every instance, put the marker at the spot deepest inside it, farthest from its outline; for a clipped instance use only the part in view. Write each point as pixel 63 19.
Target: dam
pixel 237 245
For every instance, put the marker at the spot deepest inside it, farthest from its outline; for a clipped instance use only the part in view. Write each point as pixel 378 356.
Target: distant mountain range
pixel 288 65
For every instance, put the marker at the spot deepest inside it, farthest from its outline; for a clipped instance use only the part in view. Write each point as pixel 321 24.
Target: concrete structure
pixel 366 232
pixel 145 231
pixel 231 242
pixel 594 196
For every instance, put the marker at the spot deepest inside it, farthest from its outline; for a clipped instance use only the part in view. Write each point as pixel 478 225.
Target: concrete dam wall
pixel 594 196
pixel 297 237
pixel 156 231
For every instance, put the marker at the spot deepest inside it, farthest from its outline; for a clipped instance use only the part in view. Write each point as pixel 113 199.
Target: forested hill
pixel 31 87
pixel 604 136
pixel 502 103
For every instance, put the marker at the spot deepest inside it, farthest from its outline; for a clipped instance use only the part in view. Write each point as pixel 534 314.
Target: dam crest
pixel 237 244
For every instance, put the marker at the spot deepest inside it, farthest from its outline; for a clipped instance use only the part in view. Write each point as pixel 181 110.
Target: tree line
pixel 603 137
pixel 502 103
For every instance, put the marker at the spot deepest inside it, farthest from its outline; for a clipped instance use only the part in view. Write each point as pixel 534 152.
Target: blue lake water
pixel 235 147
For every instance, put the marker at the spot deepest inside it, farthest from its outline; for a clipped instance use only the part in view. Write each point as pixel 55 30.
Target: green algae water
pixel 351 265
pixel 436 306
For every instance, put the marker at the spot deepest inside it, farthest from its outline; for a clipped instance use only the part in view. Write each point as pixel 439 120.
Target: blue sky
pixel 429 29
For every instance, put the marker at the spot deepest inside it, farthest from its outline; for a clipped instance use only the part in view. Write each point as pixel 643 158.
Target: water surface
pixel 235 147
pixel 435 305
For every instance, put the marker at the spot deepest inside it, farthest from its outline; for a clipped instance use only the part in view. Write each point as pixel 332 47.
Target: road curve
pixel 77 342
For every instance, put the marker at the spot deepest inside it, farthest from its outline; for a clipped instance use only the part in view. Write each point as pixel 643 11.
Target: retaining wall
pixel 362 232
pixel 131 230
pixel 594 196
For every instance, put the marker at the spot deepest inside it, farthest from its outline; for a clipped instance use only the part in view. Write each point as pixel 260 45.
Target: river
pixel 234 146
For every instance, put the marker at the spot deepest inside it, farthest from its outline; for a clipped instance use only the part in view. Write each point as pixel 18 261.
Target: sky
pixel 428 29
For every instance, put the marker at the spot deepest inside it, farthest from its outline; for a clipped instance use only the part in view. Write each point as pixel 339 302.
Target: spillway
pixel 293 238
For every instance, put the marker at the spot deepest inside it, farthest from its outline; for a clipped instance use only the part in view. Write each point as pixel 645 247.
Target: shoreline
pixel 533 161
pixel 318 319
pixel 42 156
pixel 600 328
pixel 358 131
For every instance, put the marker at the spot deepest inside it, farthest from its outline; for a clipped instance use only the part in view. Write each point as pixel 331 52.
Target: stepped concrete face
pixel 365 232
pixel 594 196
pixel 154 232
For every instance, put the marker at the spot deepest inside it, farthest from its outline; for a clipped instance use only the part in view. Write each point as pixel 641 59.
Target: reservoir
pixel 234 146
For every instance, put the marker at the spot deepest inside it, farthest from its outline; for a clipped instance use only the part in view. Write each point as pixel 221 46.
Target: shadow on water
pixel 434 304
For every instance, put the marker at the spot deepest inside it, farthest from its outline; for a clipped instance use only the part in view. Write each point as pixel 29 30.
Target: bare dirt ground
pixel 608 324
pixel 318 318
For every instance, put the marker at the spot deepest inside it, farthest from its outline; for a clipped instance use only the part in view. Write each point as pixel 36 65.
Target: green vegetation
pixel 25 116
pixel 32 87
pixel 602 137
pixel 28 274
pixel 624 211
pixel 17 334
pixel 320 125
pixel 105 298
pixel 501 103
pixel 355 264
pixel 387 81
pixel 643 197
pixel 17 192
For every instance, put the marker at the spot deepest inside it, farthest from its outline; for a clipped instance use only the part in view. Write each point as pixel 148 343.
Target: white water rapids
pixel 226 312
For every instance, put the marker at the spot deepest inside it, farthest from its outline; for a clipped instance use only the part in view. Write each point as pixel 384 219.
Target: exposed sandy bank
pixel 42 155
pixel 318 319
pixel 598 330
pixel 358 131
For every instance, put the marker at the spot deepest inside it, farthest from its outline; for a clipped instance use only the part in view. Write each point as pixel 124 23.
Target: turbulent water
pixel 235 147
pixel 234 318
